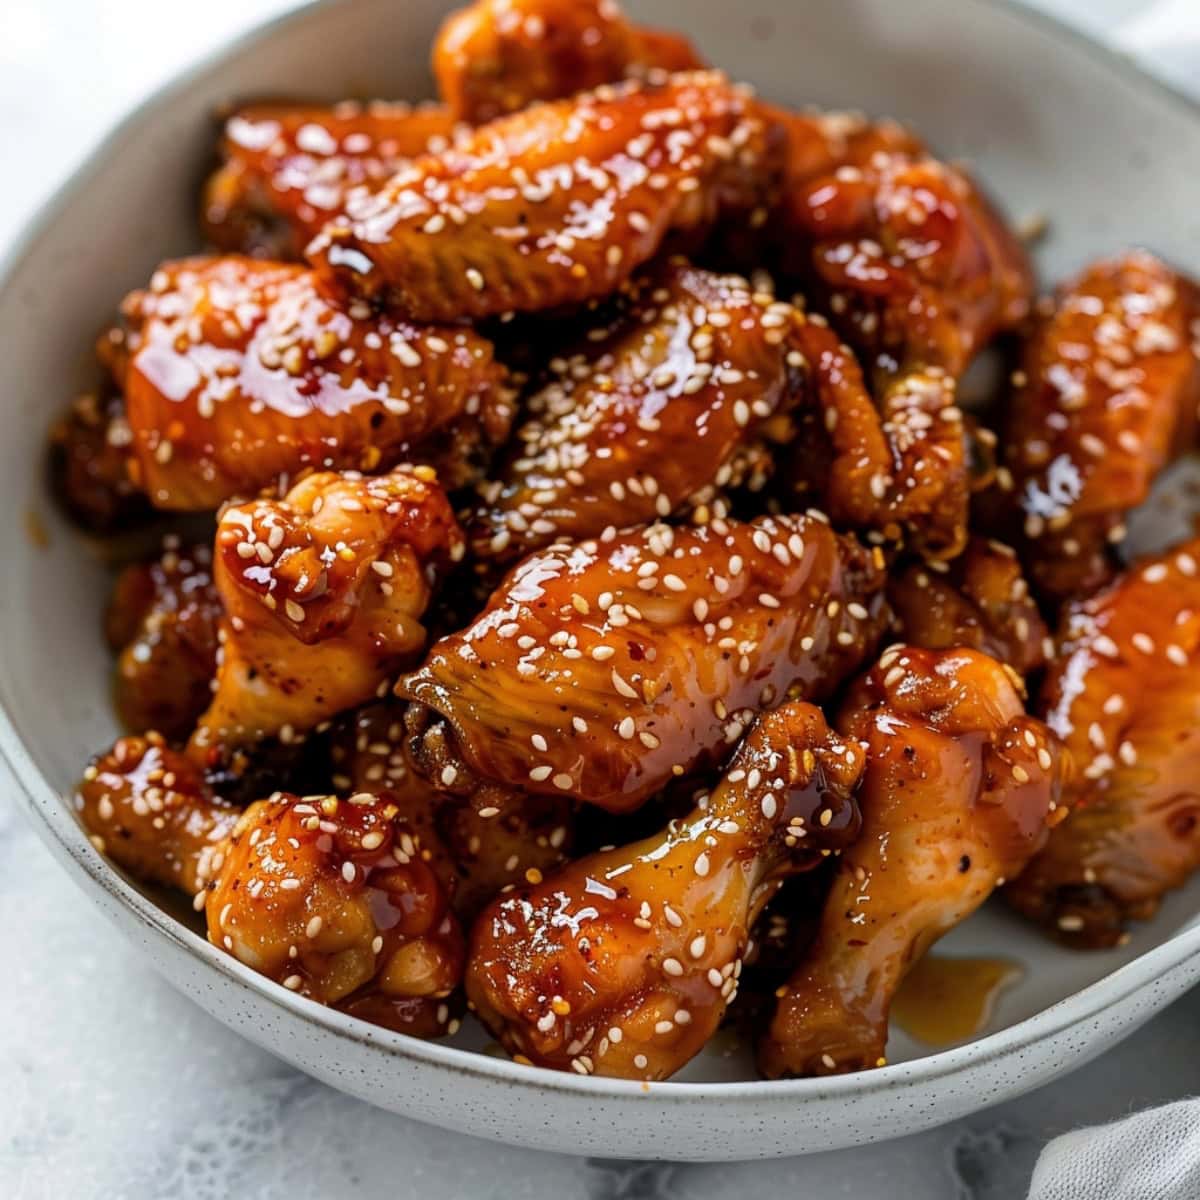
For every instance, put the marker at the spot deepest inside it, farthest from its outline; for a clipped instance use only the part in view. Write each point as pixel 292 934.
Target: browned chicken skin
pixel 979 599
pixel 287 168
pixel 1123 693
pixel 554 205
pixel 958 791
pixel 324 592
pixel 163 619
pixel 604 669
pixel 623 963
pixel 498 56
pixel 240 373
pixel 652 411
pixel 1108 396
pixel 330 898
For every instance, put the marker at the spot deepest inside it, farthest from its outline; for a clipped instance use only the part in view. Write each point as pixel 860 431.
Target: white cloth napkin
pixel 1155 1154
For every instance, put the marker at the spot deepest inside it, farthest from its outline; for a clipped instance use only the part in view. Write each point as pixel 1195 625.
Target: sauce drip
pixel 947 1000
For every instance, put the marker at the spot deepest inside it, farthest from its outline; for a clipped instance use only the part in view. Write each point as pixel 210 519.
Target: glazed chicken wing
pixel 150 809
pixel 163 619
pixel 323 592
pixel 1108 396
pixel 331 898
pixel 552 206
pixel 498 56
pixel 240 373
pixel 287 168
pixel 979 600
pixel 1123 693
pixel 623 963
pixel 958 791
pixel 917 271
pixel 603 669
pixel 667 401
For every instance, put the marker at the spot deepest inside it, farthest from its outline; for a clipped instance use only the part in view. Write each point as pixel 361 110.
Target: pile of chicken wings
pixel 595 556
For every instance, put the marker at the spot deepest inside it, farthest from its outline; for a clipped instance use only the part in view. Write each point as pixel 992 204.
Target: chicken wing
pixel 623 963
pixel 603 669
pixel 918 271
pixel 240 373
pixel 1107 396
pixel 331 898
pixel 667 400
pixel 287 167
pixel 552 206
pixel 163 620
pixel 498 56
pixel 1124 695
pixel 958 791
pixel 979 600
pixel 150 810
pixel 323 593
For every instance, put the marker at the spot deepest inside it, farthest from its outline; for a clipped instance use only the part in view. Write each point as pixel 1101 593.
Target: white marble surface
pixel 113 1085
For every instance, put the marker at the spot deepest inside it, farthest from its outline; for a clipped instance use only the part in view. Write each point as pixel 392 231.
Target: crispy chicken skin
pixel 150 809
pixel 240 373
pixel 605 668
pixel 1108 395
pixel 479 849
pixel 623 963
pixel 286 168
pixel 1123 692
pixel 980 600
pixel 163 619
pixel 652 411
pixel 554 205
pixel 498 56
pixel 331 898
pixel 324 592
pixel 959 787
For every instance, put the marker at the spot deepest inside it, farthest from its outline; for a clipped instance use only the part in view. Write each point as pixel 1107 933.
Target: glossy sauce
pixel 945 1000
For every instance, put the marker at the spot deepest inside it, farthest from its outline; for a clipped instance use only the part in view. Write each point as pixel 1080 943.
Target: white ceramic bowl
pixel 1055 125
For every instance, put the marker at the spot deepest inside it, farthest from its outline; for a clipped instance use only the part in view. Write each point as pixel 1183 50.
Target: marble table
pixel 113 1085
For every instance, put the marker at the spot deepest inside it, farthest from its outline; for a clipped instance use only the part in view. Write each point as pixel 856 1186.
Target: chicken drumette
pixel 239 373
pixel 1107 396
pixel 623 963
pixel 554 205
pixel 287 168
pixel 323 592
pixel 1124 695
pixel 603 669
pixel 330 898
pixel 498 56
pixel 959 788
pixel 671 399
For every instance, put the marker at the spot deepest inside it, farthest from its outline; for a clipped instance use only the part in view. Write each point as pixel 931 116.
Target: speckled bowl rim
pixel 56 825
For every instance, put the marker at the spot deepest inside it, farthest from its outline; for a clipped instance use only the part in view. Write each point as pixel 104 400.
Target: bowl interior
pixel 1106 156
